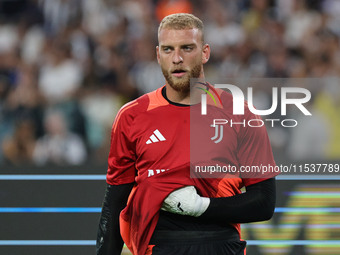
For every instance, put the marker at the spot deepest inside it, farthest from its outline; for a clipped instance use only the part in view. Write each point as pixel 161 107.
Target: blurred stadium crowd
pixel 67 66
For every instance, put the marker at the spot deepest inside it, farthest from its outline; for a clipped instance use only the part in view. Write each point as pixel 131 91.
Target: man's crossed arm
pixel 256 204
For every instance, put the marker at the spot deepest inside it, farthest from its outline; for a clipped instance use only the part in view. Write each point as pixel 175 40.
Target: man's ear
pixel 206 53
pixel 157 53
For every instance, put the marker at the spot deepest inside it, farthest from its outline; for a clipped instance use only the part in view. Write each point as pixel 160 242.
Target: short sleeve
pixel 121 160
pixel 254 153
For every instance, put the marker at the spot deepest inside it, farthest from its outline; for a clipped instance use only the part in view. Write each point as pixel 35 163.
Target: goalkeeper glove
pixel 186 201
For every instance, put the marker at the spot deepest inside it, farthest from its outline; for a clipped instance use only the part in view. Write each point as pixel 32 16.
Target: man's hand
pixel 186 201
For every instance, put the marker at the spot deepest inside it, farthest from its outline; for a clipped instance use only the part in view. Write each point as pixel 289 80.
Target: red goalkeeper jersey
pixel 150 146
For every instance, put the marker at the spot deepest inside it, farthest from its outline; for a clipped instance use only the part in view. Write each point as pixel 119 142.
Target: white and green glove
pixel 186 201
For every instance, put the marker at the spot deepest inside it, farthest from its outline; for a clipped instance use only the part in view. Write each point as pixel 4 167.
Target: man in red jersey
pixel 151 202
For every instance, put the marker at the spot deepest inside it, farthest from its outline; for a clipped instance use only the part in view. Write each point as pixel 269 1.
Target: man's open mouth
pixel 178 72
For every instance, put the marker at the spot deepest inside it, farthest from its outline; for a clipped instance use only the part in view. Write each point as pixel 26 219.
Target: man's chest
pixel 167 140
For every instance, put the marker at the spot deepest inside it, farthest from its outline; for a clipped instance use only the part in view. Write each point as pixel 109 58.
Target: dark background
pixel 89 193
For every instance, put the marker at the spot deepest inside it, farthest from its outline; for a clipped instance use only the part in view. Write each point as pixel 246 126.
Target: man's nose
pixel 177 58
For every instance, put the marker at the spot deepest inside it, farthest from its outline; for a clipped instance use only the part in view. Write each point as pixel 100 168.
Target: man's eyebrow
pixel 166 46
pixel 182 46
pixel 189 44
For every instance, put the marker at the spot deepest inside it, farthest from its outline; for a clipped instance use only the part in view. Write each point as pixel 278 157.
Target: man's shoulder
pixel 144 103
pixel 228 102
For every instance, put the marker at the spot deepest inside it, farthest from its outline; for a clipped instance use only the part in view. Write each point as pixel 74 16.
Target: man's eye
pixel 166 49
pixel 188 48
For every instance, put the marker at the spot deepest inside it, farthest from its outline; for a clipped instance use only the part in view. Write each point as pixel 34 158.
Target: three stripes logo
pixel 156 137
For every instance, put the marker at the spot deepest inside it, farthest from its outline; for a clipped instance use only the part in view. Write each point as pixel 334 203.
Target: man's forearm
pixel 256 204
pixel 109 240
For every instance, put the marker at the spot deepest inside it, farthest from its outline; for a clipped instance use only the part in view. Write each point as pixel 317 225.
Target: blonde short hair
pixel 179 21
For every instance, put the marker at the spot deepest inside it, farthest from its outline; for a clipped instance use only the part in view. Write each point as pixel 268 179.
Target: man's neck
pixel 176 96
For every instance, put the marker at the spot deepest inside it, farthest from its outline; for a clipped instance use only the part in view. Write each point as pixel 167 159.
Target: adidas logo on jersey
pixel 156 137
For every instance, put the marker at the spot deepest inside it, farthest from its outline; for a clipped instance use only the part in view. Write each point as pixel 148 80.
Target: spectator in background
pixel 58 146
pixel 59 82
pixel 98 17
pixel 85 50
pixel 222 31
pixel 61 76
pixel 58 14
pixel 21 120
pixel 146 73
pixel 300 24
pixel 332 9
pixel 18 148
pixel 328 103
pixel 277 62
pixel 167 7
pixel 111 61
pixel 253 18
pixel 310 139
pixel 24 100
pixel 99 100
